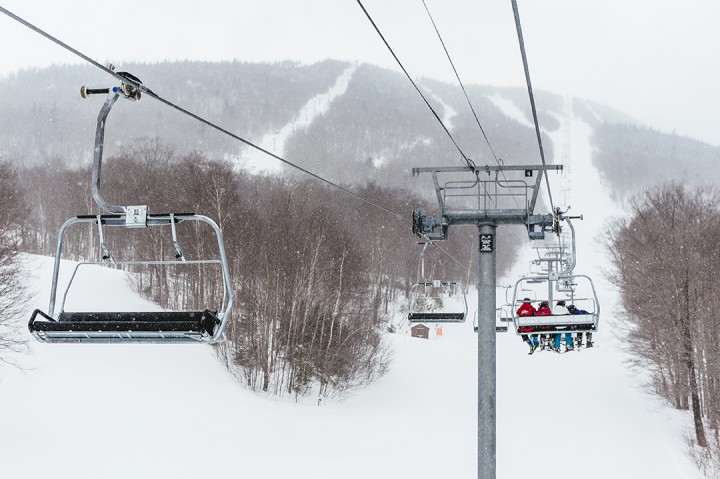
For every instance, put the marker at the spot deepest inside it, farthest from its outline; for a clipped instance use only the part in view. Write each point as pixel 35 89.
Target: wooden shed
pixel 420 331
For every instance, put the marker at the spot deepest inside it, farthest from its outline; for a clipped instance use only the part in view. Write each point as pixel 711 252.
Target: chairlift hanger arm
pixel 422 260
pixel 129 91
pixel 561 216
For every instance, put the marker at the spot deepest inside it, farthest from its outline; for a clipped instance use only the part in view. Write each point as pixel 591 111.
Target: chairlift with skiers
pixel 580 297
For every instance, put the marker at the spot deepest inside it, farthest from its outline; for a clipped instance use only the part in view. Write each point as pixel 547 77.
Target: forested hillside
pixel 377 130
pixel 314 272
pixel 633 158
pixel 44 117
pixel 660 254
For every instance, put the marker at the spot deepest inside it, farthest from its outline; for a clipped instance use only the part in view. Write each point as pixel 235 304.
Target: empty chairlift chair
pixel 203 324
pixel 437 302
pixel 502 318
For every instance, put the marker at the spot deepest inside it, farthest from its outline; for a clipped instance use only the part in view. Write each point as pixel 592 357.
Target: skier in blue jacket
pixel 588 335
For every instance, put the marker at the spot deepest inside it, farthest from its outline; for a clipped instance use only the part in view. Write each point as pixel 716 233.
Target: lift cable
pixel 532 98
pixel 152 94
pixel 462 86
pixel 460 82
pixel 468 161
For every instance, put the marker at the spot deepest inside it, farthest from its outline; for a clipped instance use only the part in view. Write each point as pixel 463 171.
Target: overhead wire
pixel 468 161
pixel 462 86
pixel 518 27
pixel 144 89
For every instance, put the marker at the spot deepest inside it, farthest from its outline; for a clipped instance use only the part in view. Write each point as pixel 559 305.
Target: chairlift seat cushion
pixel 143 326
pixel 550 324
pixel 436 317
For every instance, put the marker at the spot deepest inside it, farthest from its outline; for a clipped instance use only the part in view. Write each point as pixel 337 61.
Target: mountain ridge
pixel 378 128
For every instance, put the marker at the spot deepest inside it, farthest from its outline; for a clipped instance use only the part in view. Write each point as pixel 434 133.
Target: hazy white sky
pixel 655 60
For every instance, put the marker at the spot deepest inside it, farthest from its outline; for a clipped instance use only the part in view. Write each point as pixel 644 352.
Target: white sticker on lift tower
pixel 487 243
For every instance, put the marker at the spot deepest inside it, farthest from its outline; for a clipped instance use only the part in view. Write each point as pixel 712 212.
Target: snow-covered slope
pixel 171 411
pixel 112 411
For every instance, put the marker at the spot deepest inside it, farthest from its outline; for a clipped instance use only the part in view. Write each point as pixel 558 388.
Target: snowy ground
pixel 171 411
pixel 118 411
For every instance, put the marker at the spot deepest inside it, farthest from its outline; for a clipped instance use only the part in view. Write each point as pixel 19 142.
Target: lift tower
pixel 492 195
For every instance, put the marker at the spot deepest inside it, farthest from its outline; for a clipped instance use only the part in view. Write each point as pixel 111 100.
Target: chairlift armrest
pixel 34 316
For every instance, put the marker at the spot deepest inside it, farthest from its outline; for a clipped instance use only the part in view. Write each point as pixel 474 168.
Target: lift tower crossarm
pixel 508 217
pixel 487 168
pixel 527 169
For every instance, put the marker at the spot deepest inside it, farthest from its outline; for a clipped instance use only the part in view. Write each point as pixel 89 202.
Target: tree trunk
pixel 689 359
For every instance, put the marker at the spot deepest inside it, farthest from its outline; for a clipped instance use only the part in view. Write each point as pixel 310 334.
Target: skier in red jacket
pixel 527 309
pixel 544 309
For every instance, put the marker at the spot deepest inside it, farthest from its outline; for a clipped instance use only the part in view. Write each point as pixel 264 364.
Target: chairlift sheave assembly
pixel 436 301
pixel 200 325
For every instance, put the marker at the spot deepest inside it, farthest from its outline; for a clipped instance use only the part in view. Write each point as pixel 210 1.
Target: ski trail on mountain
pixel 448 112
pixel 275 141
pixel 510 110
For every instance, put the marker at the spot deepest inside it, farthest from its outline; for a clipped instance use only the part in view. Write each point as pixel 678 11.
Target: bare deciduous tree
pixel 664 256
pixel 312 274
pixel 12 284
